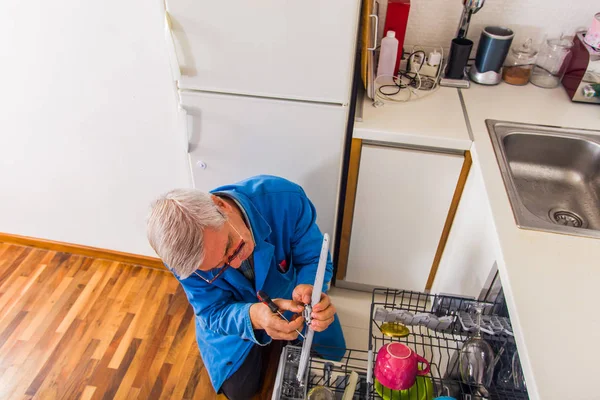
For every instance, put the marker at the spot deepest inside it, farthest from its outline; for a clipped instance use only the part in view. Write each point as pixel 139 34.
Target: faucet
pixel 470 8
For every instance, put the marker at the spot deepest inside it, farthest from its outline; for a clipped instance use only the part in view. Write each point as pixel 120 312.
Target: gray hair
pixel 176 226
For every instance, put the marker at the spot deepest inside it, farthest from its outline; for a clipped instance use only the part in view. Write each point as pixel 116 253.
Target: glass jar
pixel 519 64
pixel 551 63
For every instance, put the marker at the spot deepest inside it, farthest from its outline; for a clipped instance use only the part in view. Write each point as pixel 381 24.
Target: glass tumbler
pixel 551 63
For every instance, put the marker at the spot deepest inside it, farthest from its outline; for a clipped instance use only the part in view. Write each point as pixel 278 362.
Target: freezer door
pixel 235 137
pixel 271 48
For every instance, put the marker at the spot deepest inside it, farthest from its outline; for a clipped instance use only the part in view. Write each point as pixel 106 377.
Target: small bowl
pixel 394 329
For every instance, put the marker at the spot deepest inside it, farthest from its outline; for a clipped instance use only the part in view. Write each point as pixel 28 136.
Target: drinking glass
pixel 476 359
pixel 551 63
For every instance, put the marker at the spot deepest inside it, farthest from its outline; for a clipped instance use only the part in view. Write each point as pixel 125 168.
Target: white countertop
pixel 436 120
pixel 552 281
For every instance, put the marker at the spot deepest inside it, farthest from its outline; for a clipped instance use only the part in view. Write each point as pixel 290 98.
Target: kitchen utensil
pixel 320 393
pixel 582 76
pixel 470 7
pixel 551 63
pixel 421 390
pixel 351 387
pixel 394 329
pixel 493 47
pixel 519 63
pixel 476 359
pixel 592 37
pixel 460 49
pixel 396 366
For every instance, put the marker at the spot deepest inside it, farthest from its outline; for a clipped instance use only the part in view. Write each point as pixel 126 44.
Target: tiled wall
pixel 434 22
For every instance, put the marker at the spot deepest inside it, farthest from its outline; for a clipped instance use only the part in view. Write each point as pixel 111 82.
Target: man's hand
pixel 276 327
pixel 322 313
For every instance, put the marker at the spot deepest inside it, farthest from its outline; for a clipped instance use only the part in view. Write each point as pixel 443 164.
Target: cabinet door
pixel 472 246
pixel 272 48
pixel 402 202
pixel 233 138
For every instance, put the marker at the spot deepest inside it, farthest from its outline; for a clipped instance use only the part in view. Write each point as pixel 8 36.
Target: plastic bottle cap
pixel 391 34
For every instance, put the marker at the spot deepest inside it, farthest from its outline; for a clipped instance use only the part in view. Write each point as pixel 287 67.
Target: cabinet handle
pixel 376 30
pixel 175 70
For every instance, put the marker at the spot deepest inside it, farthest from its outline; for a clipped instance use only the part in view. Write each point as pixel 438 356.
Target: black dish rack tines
pixel 336 379
pixel 441 348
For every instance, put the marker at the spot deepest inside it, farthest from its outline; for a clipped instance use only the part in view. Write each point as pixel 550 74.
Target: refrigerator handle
pixel 188 128
pixel 175 70
pixel 376 29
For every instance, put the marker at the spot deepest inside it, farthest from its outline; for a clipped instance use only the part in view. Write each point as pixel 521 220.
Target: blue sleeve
pixel 307 241
pixel 218 312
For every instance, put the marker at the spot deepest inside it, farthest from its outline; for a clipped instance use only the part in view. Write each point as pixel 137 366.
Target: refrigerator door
pixel 271 48
pixel 235 137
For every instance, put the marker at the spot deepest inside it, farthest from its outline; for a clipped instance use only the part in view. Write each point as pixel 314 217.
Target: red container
pixel 396 20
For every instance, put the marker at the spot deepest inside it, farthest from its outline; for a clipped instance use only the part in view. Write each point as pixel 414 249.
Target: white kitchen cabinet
pixel 472 246
pixel 271 48
pixel 235 137
pixel 402 202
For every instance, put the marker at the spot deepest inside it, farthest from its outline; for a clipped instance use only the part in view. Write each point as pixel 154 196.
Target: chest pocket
pixel 286 269
pixel 280 283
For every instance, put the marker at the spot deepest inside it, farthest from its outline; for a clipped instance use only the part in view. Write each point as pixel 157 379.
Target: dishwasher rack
pixel 322 372
pixel 440 348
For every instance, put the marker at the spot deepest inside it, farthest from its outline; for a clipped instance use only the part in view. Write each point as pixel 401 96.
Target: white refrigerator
pixel 265 88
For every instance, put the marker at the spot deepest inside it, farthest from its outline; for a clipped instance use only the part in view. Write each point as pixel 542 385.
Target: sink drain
pixel 566 218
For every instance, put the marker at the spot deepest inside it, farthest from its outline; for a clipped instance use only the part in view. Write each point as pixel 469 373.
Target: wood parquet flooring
pixel 74 327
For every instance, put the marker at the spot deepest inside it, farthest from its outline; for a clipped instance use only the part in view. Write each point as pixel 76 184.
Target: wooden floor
pixel 74 327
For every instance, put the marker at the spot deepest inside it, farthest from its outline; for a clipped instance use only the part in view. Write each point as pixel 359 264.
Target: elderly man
pixel 258 234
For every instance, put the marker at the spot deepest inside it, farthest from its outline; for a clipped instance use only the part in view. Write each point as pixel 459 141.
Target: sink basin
pixel 552 176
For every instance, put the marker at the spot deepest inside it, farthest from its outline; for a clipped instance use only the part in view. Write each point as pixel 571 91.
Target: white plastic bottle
pixel 387 55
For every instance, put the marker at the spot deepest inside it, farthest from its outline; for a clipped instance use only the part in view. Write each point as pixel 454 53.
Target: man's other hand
pixel 322 313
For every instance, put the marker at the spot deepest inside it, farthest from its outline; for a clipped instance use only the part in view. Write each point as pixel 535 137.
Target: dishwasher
pixel 435 326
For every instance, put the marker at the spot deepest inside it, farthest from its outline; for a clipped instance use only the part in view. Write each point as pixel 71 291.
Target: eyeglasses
pixel 229 260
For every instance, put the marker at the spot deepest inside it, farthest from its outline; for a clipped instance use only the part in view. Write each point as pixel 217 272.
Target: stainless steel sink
pixel 552 176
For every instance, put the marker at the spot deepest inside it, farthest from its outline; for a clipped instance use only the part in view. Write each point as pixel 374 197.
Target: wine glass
pixel 517 373
pixel 476 359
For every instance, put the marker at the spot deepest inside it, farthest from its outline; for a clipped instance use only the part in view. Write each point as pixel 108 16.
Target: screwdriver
pixel 264 298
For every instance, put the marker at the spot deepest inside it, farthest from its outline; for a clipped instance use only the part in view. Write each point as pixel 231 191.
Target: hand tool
pixel 264 298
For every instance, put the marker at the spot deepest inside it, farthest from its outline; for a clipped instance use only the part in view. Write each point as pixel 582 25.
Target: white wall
pixel 88 121
pixel 434 22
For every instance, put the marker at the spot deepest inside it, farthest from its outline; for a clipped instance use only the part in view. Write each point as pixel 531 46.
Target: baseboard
pixel 113 255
